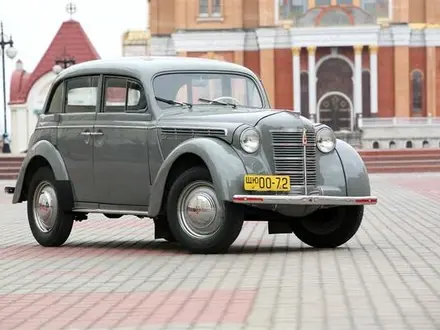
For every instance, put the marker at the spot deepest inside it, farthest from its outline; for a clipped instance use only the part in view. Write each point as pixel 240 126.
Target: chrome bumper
pixel 304 200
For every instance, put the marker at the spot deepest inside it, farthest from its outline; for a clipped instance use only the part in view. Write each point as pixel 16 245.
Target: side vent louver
pixel 190 132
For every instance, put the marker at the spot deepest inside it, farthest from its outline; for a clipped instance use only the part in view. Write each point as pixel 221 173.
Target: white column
pixel 358 84
pixel 374 80
pixel 296 79
pixel 312 83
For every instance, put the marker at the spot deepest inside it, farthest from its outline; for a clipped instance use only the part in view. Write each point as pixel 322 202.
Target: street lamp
pixel 63 63
pixel 11 52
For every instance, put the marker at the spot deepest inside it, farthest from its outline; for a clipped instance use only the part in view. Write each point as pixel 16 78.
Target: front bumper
pixel 304 200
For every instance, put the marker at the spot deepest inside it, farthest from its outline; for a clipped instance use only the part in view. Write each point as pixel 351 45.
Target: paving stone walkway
pixel 111 274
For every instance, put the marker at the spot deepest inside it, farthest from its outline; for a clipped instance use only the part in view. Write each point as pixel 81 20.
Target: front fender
pixel 356 175
pixel 226 168
pixel 47 151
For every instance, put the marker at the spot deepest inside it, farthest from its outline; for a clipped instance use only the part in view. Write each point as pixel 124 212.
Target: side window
pixel 81 94
pixel 123 95
pixel 56 103
pixel 136 98
pixel 254 95
pixel 115 94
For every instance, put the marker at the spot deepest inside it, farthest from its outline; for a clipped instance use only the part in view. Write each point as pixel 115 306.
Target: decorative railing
pixel 400 121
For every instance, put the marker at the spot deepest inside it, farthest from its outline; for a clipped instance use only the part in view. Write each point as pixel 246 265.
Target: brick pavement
pixel 111 274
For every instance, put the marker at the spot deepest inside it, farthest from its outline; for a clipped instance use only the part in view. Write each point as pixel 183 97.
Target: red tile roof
pixel 70 39
pixel 115 94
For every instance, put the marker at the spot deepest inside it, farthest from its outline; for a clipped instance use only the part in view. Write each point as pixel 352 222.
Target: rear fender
pixel 43 152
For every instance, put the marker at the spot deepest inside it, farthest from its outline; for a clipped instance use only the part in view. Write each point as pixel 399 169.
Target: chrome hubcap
pixel 45 205
pixel 200 213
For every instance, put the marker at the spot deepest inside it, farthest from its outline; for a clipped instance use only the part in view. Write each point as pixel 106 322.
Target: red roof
pixel 115 94
pixel 71 40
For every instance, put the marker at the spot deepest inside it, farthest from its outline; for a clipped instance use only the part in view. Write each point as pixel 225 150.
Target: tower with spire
pixel 28 90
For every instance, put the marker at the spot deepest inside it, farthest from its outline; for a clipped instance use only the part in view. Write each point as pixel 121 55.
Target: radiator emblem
pixel 304 137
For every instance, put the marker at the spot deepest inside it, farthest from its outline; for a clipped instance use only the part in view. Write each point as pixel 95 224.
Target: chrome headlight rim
pixel 247 146
pixel 325 139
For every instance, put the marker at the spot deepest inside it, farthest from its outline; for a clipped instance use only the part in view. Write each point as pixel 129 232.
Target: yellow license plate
pixel 266 182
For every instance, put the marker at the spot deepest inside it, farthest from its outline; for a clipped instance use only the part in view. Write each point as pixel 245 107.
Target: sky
pixel 33 25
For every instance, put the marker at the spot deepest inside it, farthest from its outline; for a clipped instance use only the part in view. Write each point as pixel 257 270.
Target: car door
pixel 121 168
pixel 74 136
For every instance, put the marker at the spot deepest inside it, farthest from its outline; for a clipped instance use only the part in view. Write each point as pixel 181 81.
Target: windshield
pixel 219 89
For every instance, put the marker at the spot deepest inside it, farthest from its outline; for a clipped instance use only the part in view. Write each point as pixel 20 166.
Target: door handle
pixel 97 133
pixel 85 133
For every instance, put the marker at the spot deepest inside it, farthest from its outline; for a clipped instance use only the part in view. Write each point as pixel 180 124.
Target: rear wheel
pixel 50 225
pixel 328 228
pixel 197 218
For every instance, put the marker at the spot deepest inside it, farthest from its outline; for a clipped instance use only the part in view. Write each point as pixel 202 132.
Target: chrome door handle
pixel 96 133
pixel 86 133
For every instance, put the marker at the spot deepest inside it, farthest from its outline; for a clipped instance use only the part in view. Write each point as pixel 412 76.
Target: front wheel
pixel 197 218
pixel 329 228
pixel 50 225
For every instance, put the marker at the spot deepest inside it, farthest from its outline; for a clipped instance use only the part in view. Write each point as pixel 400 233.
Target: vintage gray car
pixel 192 144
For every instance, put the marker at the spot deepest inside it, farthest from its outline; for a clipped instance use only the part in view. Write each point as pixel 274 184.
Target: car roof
pixel 148 66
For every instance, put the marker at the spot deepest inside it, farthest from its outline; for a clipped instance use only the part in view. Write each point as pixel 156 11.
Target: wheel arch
pixel 223 163
pixel 184 162
pixel 34 164
pixel 357 181
pixel 42 154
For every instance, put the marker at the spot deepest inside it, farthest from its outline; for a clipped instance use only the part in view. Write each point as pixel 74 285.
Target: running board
pixel 108 211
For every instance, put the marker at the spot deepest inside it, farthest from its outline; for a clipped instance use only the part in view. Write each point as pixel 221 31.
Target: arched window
pixel 305 94
pixel 344 2
pixel 366 90
pixel 375 145
pixel 409 144
pixel 289 9
pixel 392 145
pixel 417 91
pixel 376 8
pixel 425 144
pixel 334 16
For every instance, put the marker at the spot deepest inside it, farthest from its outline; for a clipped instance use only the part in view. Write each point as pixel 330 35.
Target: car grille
pixel 289 158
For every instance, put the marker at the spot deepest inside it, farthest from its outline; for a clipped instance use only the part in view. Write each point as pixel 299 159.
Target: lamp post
pixel 62 63
pixel 10 52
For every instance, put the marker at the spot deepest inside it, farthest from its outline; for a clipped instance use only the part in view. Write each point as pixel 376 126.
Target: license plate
pixel 266 182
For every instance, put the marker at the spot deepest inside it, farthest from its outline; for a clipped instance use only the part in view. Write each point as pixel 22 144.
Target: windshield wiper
pixel 217 102
pixel 172 102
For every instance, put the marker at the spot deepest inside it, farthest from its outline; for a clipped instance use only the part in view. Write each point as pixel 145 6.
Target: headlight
pixel 250 140
pixel 325 140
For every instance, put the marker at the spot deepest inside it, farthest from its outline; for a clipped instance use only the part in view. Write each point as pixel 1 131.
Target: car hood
pixel 218 117
pixel 223 123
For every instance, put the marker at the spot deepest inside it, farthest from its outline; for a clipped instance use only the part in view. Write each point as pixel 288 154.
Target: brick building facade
pixel 348 63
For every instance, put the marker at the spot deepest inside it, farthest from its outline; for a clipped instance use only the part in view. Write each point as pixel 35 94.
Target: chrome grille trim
pixel 291 158
pixel 184 131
